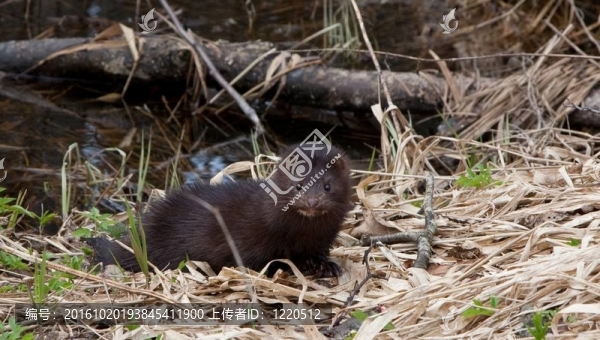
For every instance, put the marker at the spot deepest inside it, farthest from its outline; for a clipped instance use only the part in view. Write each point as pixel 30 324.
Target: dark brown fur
pixel 179 228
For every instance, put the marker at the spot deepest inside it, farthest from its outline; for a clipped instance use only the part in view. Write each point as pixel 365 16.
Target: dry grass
pixel 522 227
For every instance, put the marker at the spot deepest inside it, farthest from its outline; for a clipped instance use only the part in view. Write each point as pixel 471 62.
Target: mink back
pixel 301 226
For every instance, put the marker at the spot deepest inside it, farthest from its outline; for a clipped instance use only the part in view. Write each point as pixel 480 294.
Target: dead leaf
pixel 231 169
pixel 376 200
pixel 371 225
pixel 110 98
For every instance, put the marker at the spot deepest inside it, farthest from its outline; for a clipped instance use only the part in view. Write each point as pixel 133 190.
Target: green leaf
pixel 541 323
pixel 12 262
pixel 82 232
pixel 477 310
pixel 87 251
pixel 359 314
pixel 494 301
pixel 47 217
pixel 476 180
pixel 20 210
pixel 132 327
pixel 5 200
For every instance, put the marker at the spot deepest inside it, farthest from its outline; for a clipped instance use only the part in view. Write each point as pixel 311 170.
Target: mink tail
pixel 109 252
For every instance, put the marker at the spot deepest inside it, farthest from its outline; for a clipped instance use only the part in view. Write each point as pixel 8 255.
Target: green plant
pixel 479 180
pixel 87 251
pixel 174 181
pixel 58 281
pixel 362 316
pixel 11 288
pixel 40 288
pixel 131 327
pixel 138 241
pixel 15 210
pixel 11 261
pixel 340 26
pixel 104 223
pixel 45 218
pixel 541 322
pixel 143 166
pixel 74 262
pixel 372 160
pixel 66 280
pixel 418 203
pixel 479 310
pixel 66 187
pixel 574 242
pixel 181 264
pixel 18 210
pixel 14 333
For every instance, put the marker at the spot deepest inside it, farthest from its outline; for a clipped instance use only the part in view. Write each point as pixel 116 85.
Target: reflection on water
pixel 34 141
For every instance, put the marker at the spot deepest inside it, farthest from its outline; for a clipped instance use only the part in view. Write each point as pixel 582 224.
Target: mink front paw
pixel 321 266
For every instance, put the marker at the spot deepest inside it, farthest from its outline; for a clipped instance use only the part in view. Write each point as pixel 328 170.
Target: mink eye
pixel 327 187
pixel 298 186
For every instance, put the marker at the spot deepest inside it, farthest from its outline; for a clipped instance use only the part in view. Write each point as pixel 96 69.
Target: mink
pixel 301 226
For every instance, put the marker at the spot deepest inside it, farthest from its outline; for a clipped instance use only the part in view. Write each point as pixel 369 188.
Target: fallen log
pixel 164 59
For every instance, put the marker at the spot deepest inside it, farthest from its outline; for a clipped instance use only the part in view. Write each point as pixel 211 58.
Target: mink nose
pixel 312 202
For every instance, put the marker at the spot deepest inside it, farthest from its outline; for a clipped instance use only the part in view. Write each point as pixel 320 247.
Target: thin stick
pixel 386 91
pixel 236 254
pixel 357 288
pixel 423 239
pixel 243 105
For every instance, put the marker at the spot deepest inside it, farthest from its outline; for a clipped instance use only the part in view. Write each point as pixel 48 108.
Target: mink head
pixel 318 181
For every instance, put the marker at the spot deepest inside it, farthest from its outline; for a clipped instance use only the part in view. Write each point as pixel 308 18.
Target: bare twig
pixel 569 103
pixel 236 254
pixel 357 288
pixel 423 239
pixel 386 91
pixel 244 106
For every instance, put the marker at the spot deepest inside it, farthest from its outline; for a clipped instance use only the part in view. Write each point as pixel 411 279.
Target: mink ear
pixel 284 153
pixel 343 162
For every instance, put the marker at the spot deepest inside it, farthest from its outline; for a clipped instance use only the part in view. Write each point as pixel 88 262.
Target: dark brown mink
pixel 178 227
